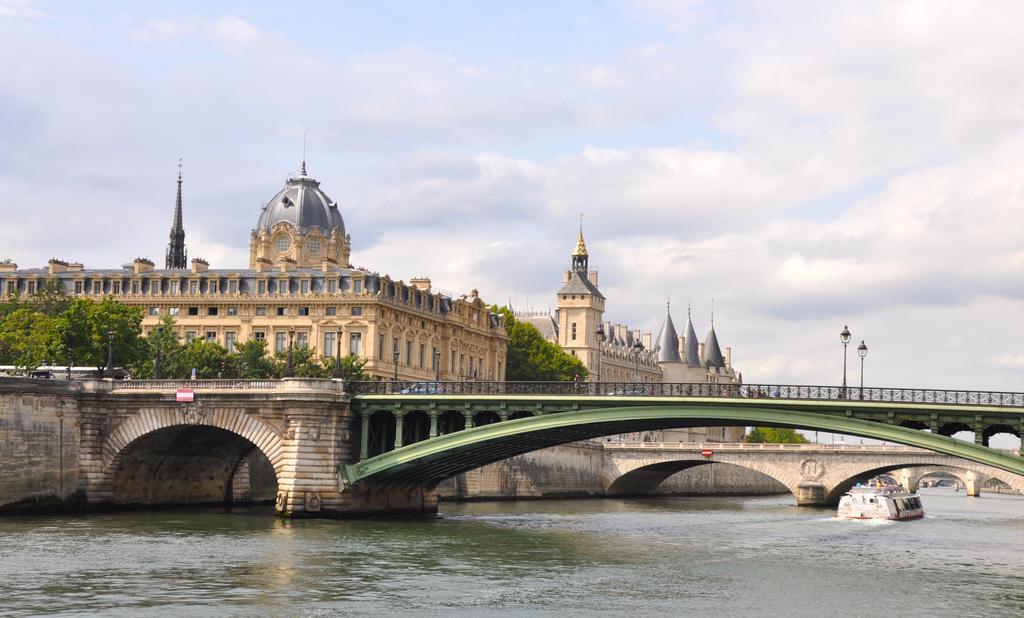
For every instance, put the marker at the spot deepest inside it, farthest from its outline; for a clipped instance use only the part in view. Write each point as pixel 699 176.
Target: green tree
pixel 208 358
pixel 775 435
pixel 26 338
pixel 254 363
pixel 532 358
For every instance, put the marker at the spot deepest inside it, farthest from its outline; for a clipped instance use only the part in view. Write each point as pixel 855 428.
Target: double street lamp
pixel 156 362
pixel 337 355
pixel 394 355
pixel 289 370
pixel 437 365
pixel 110 354
pixel 638 347
pixel 862 351
pixel 845 338
pixel 600 339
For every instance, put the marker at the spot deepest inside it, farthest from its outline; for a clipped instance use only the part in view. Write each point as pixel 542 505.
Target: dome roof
pixel 303 205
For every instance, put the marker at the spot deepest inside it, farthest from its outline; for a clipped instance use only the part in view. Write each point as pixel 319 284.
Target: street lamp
pixel 156 363
pixel 337 356
pixel 289 370
pixel 394 355
pixel 845 338
pixel 110 354
pixel 437 365
pixel 862 351
pixel 600 339
pixel 637 349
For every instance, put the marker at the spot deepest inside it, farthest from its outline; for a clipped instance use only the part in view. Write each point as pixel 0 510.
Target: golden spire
pixel 581 247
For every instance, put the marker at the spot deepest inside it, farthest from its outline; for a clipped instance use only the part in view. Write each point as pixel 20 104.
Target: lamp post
pixel 289 370
pixel 156 362
pixel 110 354
pixel 600 339
pixel 437 365
pixel 862 351
pixel 394 355
pixel 638 347
pixel 337 354
pixel 845 338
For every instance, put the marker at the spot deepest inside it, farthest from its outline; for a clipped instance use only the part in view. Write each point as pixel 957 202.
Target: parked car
pixel 423 388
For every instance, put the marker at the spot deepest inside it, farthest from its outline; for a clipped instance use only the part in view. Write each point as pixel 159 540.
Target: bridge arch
pixel 645 479
pixel 436 459
pixel 169 458
pixel 254 430
pixel 968 473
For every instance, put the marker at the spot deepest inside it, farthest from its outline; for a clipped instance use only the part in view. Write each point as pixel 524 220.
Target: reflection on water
pixel 713 556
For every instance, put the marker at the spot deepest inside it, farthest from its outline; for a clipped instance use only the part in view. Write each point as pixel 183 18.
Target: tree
pixel 26 338
pixel 532 358
pixel 254 363
pixel 775 435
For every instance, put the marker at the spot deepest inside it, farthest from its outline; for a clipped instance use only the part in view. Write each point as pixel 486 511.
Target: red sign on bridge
pixel 707 453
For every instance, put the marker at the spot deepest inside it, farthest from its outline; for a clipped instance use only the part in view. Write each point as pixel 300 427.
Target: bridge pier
pixel 811 494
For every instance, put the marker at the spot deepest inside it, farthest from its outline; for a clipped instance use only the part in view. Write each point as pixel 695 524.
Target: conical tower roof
pixel 691 355
pixel 712 352
pixel 667 345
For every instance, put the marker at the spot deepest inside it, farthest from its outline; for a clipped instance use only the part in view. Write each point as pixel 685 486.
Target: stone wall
pixel 39 437
pixel 579 470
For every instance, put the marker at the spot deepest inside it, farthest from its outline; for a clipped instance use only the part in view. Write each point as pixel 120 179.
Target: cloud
pixel 805 165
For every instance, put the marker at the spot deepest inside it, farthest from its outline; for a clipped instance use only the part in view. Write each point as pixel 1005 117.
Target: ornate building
pixel 300 287
pixel 617 353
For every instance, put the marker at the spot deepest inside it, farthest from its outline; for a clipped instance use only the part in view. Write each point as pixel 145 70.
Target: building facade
pixel 618 353
pixel 300 289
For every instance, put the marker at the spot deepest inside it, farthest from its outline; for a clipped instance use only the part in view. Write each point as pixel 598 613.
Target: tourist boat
pixel 880 502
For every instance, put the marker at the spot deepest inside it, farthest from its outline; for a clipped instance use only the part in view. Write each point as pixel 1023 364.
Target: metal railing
pixel 648 389
pixel 229 385
pixel 761 446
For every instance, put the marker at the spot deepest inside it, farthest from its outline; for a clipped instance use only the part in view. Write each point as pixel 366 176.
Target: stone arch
pixel 642 477
pixel 235 421
pixel 962 469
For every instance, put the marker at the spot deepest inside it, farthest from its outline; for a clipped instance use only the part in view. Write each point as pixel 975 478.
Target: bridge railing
pixel 235 385
pixel 648 389
pixel 760 446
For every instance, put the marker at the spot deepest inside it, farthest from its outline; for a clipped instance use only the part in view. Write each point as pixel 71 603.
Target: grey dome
pixel 302 204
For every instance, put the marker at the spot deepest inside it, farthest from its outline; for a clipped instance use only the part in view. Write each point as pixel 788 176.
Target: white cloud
pixel 806 165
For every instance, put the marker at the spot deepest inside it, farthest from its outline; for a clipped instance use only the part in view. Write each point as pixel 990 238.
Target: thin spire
pixel 712 313
pixel 303 170
pixel 581 246
pixel 176 255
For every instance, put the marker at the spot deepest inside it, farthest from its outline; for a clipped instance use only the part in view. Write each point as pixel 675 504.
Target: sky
pixel 802 165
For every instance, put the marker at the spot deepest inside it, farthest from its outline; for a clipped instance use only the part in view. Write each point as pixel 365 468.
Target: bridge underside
pixel 191 465
pixel 435 459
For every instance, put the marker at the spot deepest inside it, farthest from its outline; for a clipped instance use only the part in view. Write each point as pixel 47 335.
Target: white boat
pixel 880 502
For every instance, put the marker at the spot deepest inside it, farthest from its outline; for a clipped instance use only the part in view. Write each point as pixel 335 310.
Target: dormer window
pixel 283 243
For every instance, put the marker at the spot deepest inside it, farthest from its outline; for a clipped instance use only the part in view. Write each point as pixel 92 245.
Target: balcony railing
pixel 739 391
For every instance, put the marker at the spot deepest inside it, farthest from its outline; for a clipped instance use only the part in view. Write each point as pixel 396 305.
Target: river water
pixel 659 556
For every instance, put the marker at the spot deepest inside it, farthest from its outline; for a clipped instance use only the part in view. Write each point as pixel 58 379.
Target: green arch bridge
pixel 424 432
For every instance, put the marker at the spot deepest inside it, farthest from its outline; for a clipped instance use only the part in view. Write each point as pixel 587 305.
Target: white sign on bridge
pixel 185 395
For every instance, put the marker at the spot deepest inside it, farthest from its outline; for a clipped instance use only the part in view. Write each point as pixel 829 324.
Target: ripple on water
pixel 725 556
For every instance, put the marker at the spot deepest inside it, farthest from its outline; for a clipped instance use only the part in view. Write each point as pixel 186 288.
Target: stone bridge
pixel 816 474
pixel 324 448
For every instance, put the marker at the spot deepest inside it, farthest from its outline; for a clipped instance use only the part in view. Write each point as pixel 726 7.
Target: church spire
pixel 176 255
pixel 579 255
